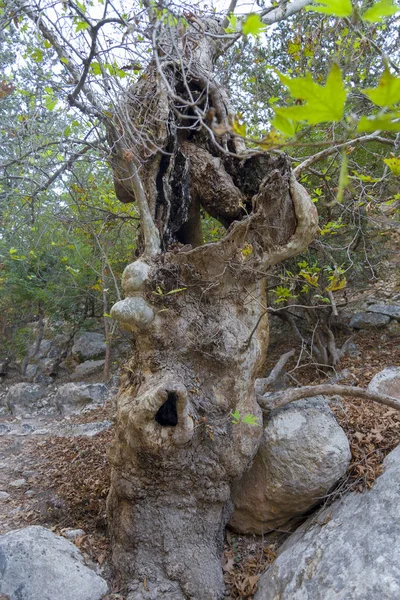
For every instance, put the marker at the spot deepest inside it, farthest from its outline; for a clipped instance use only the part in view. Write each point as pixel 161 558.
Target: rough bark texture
pixel 198 350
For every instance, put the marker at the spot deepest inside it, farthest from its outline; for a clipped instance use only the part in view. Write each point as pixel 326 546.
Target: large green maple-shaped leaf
pixel 379 122
pixel 253 25
pixel 379 10
pixel 388 91
pixel 337 8
pixel 322 102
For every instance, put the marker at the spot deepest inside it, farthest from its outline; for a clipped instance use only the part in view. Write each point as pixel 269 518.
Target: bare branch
pixel 270 16
pixel 373 137
pixel 150 231
pixel 371 42
pixel 230 10
pixel 262 385
pixel 67 165
pixel 274 400
pixel 67 62
pixel 284 11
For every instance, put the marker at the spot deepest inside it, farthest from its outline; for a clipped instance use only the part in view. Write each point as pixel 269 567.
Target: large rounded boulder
pixel 303 454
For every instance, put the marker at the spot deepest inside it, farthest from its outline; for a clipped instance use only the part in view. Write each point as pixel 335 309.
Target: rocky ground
pixel 54 469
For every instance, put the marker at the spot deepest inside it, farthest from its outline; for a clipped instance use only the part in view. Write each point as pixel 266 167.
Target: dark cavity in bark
pixel 167 415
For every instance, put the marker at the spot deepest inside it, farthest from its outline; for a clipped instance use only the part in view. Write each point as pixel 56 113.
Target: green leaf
pixel 81 26
pixel 384 8
pixel 50 102
pixel 95 68
pixel 388 91
pixel 365 178
pixel 236 417
pixel 322 103
pixel 37 55
pixel 238 127
pixel 393 164
pixel 67 131
pixel 337 8
pixel 232 27
pixel 283 124
pixel 250 420
pixel 81 6
pixel 380 122
pixel 64 60
pixel 253 25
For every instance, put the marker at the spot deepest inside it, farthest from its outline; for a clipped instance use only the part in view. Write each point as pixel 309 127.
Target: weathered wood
pixel 191 312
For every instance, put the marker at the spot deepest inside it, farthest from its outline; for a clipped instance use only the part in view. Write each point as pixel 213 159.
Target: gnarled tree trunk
pixel 197 315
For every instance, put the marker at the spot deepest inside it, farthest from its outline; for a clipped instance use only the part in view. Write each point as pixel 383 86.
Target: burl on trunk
pixel 197 315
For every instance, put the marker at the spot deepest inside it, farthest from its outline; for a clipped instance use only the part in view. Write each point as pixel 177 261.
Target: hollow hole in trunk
pixel 167 415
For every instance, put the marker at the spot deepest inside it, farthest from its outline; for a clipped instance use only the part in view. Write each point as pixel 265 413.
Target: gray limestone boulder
pixel 369 320
pixel 25 398
pixel 31 371
pixel 393 329
pixel 42 351
pixel 3 367
pixel 390 310
pixel 36 564
pixel 303 454
pixel 88 369
pixel 89 346
pixel 59 347
pixel 386 382
pixel 72 397
pixel 351 550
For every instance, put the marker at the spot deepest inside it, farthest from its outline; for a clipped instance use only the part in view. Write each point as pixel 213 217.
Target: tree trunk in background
pixel 197 315
pixel 107 327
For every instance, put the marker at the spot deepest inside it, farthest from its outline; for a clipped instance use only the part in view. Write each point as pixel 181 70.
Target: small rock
pixel 350 348
pixel 368 320
pixel 28 473
pixel 30 493
pixel 17 483
pixel 72 397
pixel 73 534
pixel 85 429
pixel 390 310
pixel 345 374
pixel 386 382
pixel 4 496
pixel 3 367
pixel 393 329
pixel 44 348
pixel 87 369
pixel 27 428
pixel 88 346
pixel 49 367
pixel 59 346
pixel 31 372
